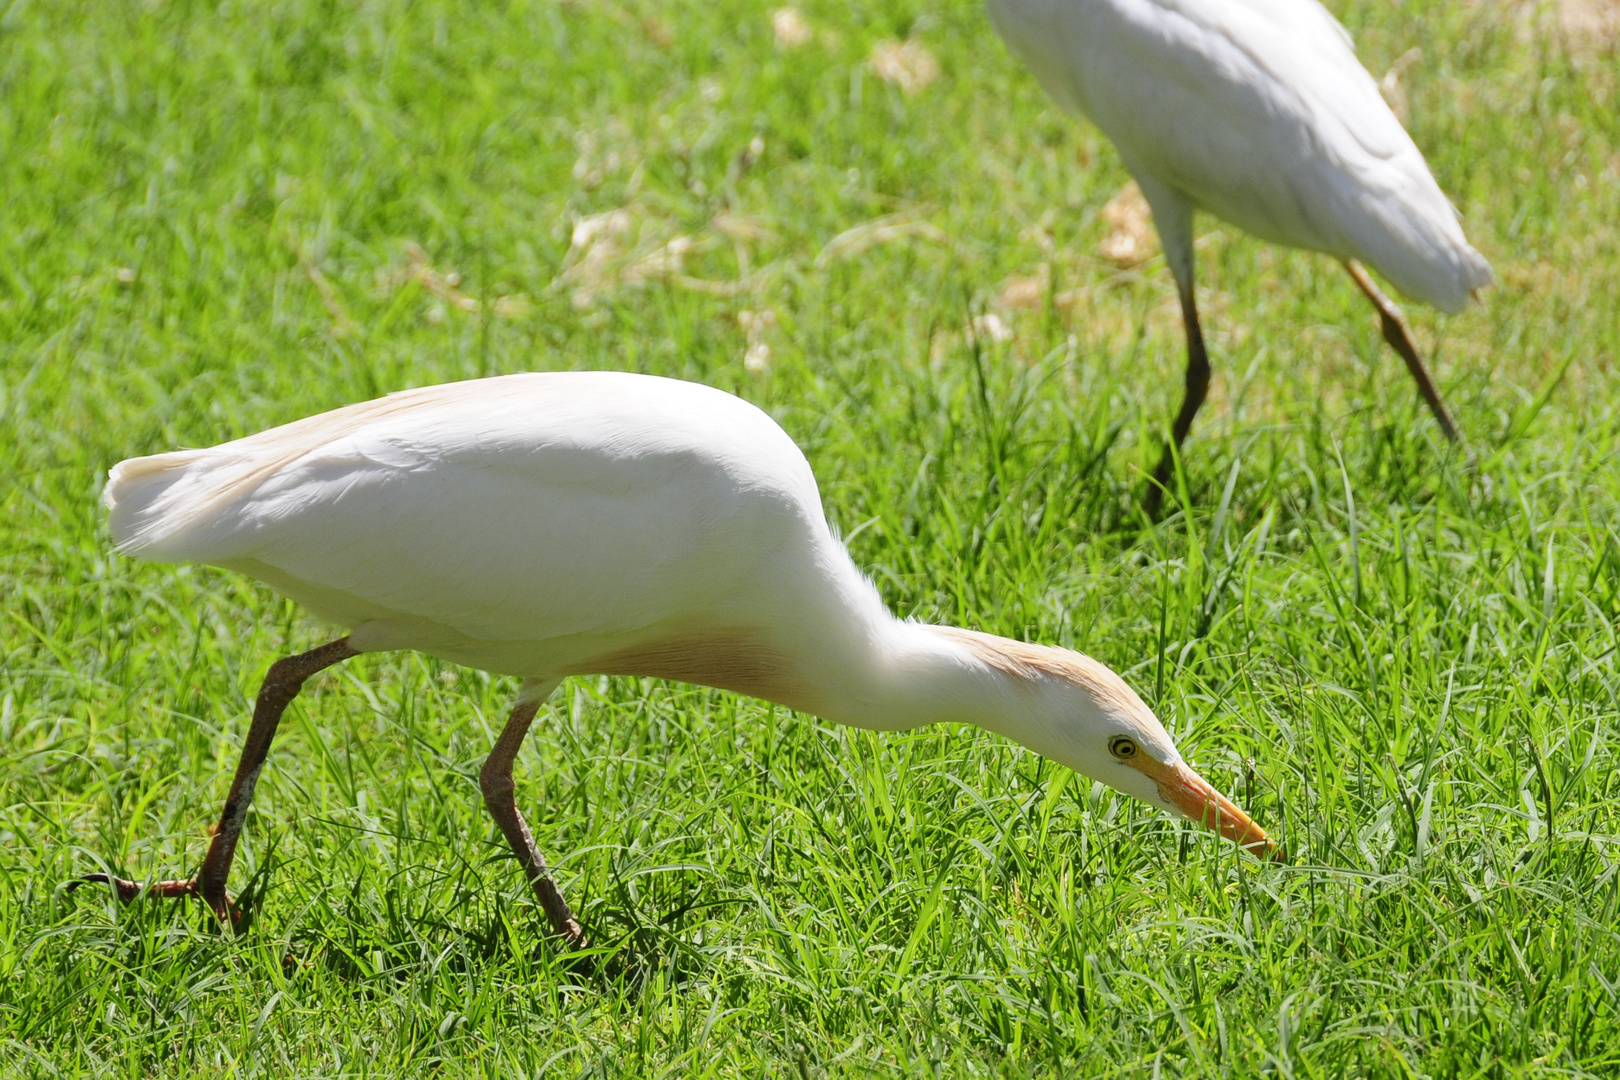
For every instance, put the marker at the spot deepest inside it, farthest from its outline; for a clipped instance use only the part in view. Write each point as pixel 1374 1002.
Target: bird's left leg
pixel 1173 217
pixel 281 684
pixel 1197 388
pixel 1399 336
pixel 495 780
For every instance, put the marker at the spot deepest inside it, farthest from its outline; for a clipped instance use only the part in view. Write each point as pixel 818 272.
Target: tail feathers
pixel 1430 261
pixel 1477 273
pixel 148 500
pixel 1471 270
pixel 178 506
pixel 1393 216
pixel 1463 273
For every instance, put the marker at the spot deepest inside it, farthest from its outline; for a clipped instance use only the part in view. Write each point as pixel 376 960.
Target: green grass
pixel 1406 665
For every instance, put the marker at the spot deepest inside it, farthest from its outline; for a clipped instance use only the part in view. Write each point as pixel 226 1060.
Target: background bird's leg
pixel 495 779
pixel 1399 336
pixel 281 684
pixel 1197 388
pixel 1173 217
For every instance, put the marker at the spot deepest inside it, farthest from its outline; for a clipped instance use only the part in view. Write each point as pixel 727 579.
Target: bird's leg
pixel 1399 336
pixel 1197 387
pixel 495 780
pixel 1173 217
pixel 281 684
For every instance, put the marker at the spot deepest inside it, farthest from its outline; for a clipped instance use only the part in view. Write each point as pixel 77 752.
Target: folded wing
pixel 503 509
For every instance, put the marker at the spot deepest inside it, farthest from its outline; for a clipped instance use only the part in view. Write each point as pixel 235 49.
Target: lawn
pixel 1400 657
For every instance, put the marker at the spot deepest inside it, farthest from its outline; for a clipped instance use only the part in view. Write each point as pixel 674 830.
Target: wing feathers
pixel 499 509
pixel 154 501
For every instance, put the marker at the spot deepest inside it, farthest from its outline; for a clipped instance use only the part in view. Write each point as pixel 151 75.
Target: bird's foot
pixel 573 935
pixel 588 960
pixel 129 891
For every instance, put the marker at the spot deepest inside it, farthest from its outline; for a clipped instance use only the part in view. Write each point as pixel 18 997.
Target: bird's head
pixel 1077 712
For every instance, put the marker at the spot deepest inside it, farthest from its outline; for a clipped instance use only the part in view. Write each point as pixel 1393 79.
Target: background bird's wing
pixel 1270 115
pixel 1259 112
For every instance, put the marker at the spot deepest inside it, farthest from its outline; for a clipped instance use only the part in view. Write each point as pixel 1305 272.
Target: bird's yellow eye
pixel 1122 747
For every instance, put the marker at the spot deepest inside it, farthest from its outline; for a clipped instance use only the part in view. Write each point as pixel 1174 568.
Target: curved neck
pixel 906 675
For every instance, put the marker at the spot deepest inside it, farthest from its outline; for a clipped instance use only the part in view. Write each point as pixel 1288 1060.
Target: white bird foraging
pixel 547 525
pixel 1258 112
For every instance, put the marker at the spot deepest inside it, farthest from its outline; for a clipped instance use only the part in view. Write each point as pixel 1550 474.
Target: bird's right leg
pixel 281 684
pixel 1399 336
pixel 495 780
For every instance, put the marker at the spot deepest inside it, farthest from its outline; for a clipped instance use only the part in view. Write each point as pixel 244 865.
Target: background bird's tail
pixel 1424 255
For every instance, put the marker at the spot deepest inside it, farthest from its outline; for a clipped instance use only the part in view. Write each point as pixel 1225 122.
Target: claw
pixel 128 891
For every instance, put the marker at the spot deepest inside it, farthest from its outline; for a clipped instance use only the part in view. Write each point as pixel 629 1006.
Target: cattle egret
pixel 1258 112
pixel 547 525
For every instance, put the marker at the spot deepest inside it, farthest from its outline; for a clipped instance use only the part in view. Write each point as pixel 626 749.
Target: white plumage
pixel 1258 112
pixel 519 525
pixel 553 524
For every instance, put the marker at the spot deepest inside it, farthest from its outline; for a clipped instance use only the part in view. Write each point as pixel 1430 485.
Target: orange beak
pixel 1198 801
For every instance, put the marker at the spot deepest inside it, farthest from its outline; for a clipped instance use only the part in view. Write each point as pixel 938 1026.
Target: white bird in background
pixel 547 525
pixel 1258 112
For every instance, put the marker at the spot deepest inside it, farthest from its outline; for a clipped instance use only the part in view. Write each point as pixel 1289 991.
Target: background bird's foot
pixel 128 891
pixel 1152 500
pixel 1158 484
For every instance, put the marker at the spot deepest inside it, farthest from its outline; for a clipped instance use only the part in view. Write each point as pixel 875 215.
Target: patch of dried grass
pixel 342 324
pixel 595 245
pixel 991 328
pixel 744 228
pixel 790 28
pixel 1595 22
pixel 906 64
pixel 890 228
pixel 604 254
pixel 1130 239
pixel 1025 293
pixel 755 326
pixel 1390 85
pixel 444 286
